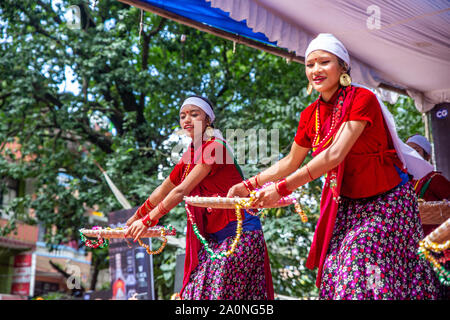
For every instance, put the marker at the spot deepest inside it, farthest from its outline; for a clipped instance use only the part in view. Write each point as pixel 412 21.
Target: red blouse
pixel 222 177
pixel 369 166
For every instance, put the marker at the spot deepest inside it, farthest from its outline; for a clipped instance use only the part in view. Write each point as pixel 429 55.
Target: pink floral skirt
pixel 237 277
pixel 373 251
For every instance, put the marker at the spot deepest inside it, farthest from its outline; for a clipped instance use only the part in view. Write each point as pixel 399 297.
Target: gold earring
pixel 345 80
pixel 209 131
pixel 309 89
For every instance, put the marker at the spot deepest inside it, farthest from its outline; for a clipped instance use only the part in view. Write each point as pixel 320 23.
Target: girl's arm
pixel 279 170
pixel 155 197
pixel 331 157
pixel 177 194
pixel 325 161
pixel 173 198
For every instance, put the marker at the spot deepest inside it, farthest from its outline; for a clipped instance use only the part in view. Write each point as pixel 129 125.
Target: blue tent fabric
pixel 201 11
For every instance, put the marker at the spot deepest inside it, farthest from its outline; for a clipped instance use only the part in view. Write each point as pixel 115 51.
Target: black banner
pixel 130 266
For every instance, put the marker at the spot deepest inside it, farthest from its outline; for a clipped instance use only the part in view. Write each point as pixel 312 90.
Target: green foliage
pixel 408 119
pixel 55 296
pixel 137 84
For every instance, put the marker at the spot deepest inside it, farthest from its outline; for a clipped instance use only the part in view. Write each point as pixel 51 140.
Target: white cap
pixel 329 43
pixel 421 141
pixel 202 104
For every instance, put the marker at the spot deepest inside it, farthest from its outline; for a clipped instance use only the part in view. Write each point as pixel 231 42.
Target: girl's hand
pixel 132 219
pixel 267 197
pixel 238 190
pixel 136 230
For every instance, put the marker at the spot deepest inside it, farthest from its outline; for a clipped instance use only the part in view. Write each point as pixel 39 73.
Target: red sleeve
pixel 364 107
pixel 440 187
pixel 176 174
pixel 301 137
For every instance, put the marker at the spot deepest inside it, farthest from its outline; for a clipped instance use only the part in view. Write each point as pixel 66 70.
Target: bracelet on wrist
pixel 282 189
pixel 309 173
pixel 149 222
pixel 145 208
pixel 162 210
pixel 248 186
pixel 256 181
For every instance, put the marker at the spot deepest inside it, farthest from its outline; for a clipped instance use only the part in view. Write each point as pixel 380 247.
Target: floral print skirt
pixel 373 250
pixel 237 277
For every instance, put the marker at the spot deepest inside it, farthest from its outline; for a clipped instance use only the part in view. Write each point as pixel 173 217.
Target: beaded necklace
pixel 328 137
pixel 213 256
pixel 336 114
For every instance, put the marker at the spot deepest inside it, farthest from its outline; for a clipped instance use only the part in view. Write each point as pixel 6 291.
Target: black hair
pixel 207 101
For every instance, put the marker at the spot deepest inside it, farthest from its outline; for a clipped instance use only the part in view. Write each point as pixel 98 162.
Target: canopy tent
pixel 402 46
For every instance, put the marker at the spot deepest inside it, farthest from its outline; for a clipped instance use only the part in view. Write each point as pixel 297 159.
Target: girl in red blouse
pixel 368 232
pixel 208 169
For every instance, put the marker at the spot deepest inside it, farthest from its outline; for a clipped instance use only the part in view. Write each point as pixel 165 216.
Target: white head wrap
pixel 328 42
pixel 416 165
pixel 421 141
pixel 206 107
pixel 202 104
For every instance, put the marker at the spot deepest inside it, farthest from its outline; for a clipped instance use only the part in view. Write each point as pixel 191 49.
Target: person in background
pixel 434 186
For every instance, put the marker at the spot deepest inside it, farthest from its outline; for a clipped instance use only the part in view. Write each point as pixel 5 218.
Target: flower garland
pixel 161 248
pixel 101 242
pixel 213 256
pixel 425 246
pixel 283 201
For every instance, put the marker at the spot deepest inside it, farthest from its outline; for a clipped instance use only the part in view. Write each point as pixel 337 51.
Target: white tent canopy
pixel 402 43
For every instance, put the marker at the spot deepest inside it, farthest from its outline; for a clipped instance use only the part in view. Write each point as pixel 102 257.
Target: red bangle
pixel 148 205
pixel 149 222
pixel 145 208
pixel 282 189
pixel 248 186
pixel 162 209
pixel 256 181
pixel 309 173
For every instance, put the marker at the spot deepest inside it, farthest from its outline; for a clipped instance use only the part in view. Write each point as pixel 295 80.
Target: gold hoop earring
pixel 209 131
pixel 345 80
pixel 309 89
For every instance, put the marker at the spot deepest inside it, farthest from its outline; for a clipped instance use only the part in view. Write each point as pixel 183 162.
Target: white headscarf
pixel 202 104
pixel 411 159
pixel 328 42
